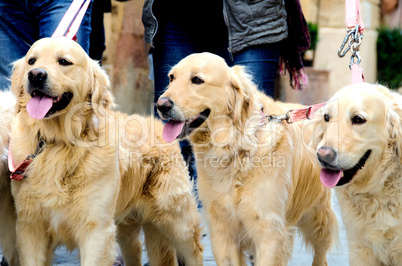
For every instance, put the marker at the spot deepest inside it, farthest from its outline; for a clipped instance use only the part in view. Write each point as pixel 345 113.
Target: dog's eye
pixel 197 80
pixel 31 61
pixel 171 77
pixel 327 117
pixel 358 120
pixel 64 62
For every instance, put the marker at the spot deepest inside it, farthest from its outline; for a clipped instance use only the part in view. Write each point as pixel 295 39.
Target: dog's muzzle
pixel 37 78
pixel 164 106
pixel 327 157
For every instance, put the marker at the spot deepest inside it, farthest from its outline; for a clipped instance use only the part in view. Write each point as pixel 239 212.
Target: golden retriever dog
pixel 97 177
pixel 256 180
pixel 359 147
pixel 7 209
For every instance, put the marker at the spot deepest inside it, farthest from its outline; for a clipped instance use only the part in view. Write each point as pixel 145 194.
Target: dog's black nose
pixel 326 155
pixel 164 105
pixel 37 76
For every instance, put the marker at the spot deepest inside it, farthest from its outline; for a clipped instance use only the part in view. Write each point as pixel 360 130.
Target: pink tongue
pixel 171 130
pixel 39 105
pixel 330 178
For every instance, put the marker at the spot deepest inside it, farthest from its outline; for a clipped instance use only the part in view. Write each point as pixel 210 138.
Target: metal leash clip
pixel 39 149
pixel 354 39
pixel 280 118
pixel 345 40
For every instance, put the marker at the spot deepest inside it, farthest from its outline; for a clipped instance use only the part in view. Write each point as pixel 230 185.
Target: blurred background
pixel 126 55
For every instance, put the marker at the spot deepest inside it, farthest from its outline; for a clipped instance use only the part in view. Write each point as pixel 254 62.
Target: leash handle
pixel 72 19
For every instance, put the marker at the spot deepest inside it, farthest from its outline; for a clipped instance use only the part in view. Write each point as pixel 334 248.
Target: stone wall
pixel 125 58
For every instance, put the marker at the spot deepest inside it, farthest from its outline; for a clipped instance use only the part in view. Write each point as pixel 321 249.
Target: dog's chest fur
pixel 60 175
pixel 233 181
pixel 374 220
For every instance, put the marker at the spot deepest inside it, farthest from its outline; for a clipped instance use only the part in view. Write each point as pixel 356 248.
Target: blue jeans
pixel 262 62
pixel 25 21
pixel 174 42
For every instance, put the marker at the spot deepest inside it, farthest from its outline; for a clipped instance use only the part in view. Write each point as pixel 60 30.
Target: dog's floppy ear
pixel 16 81
pixel 394 126
pixel 100 95
pixel 243 100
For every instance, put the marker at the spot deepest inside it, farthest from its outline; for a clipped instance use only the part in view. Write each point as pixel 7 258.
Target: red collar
pixel 17 173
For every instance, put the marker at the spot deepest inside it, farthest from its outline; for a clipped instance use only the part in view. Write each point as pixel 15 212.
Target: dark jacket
pixel 249 22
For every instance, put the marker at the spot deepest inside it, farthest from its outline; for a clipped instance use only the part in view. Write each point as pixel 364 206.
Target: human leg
pixel 17 33
pixel 172 44
pixel 97 39
pixel 262 63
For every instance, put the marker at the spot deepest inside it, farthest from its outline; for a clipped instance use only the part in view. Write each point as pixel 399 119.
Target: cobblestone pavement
pixel 300 257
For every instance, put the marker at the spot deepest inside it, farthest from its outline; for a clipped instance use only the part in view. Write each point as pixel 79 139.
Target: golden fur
pixel 371 203
pixel 7 210
pixel 101 176
pixel 256 181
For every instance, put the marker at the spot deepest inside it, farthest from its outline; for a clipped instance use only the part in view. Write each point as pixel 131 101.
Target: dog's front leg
pixel 225 247
pixel 224 237
pixel 99 246
pixel 33 241
pixel 271 249
pixel 263 211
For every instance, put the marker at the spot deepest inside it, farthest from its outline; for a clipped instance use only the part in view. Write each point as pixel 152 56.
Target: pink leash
pixel 68 27
pixel 353 39
pixel 295 115
pixel 353 16
pixel 71 21
pixel 352 42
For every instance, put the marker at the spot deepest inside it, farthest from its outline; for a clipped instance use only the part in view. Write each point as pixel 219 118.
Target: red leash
pixel 68 27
